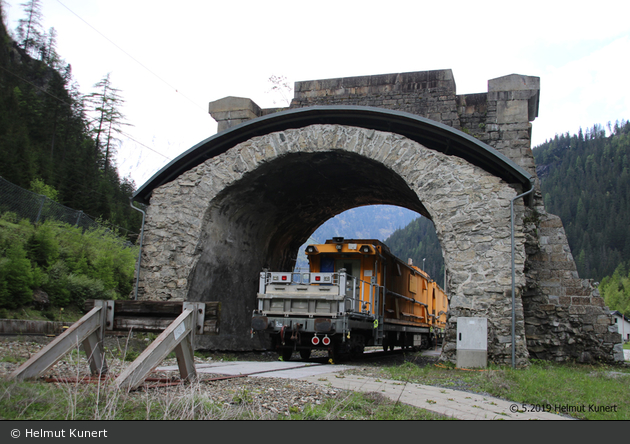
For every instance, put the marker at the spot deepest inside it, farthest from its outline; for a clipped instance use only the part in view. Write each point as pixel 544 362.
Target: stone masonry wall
pixel 429 94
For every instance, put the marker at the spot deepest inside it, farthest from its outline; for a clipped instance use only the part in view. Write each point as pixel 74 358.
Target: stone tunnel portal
pixel 215 225
pixel 261 221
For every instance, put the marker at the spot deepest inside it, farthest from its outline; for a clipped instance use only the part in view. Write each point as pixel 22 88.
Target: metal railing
pixel 355 288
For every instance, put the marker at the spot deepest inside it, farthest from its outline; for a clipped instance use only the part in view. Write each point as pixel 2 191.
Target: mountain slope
pixel 45 135
pixel 585 179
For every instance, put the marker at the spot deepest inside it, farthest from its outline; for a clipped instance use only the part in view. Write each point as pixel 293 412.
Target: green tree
pixel 45 133
pixel 583 181
pixel 418 241
pixel 17 274
pixel 615 289
pixel 29 29
pixel 38 186
pixel 107 119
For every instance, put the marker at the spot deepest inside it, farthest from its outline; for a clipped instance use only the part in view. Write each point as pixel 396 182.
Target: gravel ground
pixel 265 398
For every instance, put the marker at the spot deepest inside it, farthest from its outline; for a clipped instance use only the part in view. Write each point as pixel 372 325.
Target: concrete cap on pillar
pixel 231 111
pixel 523 100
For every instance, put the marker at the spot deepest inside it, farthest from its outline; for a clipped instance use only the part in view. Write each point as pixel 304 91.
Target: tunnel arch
pixel 213 228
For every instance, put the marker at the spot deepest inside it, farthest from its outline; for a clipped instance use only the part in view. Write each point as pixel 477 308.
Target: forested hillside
pixel 49 131
pixel 585 179
pixel 418 241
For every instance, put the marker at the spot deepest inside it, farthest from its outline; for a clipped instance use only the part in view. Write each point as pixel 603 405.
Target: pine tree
pixel 29 29
pixel 48 50
pixel 107 119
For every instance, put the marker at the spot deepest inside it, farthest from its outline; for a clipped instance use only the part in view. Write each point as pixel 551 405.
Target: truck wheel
pixel 286 354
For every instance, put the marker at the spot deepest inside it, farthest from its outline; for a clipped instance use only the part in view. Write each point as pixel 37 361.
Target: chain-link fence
pixel 38 208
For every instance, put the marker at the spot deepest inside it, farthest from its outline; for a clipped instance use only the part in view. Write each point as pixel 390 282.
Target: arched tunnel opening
pixel 262 220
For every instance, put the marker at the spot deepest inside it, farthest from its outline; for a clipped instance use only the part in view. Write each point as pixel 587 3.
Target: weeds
pixel 596 391
pixel 361 406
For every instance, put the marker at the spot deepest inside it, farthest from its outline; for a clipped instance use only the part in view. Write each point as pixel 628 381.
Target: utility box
pixel 472 342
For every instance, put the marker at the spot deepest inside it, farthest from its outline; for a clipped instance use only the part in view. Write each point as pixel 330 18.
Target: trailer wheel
pixel 305 354
pixel 286 354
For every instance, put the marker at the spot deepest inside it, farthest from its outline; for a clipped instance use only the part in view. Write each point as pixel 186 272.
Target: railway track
pixel 369 356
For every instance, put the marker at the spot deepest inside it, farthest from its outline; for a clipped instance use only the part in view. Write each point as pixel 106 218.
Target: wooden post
pixel 87 330
pixel 177 336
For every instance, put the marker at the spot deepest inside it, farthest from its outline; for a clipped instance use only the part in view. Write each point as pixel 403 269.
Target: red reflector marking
pixel 284 278
pixel 326 340
pixel 315 340
pixel 318 278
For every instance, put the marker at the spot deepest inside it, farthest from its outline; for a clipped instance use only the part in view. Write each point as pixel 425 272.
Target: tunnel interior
pixel 261 221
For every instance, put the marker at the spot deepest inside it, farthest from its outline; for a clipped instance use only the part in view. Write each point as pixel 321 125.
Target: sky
pixel 170 59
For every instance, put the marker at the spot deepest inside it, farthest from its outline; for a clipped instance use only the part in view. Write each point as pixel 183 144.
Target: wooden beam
pixel 155 316
pixel 154 308
pixel 157 324
pixel 93 347
pixel 87 330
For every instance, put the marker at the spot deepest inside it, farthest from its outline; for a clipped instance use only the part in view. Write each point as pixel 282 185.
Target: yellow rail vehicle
pixel 355 294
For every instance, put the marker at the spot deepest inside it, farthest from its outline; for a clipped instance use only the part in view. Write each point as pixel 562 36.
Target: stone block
pixel 234 104
pixel 603 319
pixel 512 111
pixel 577 300
pixel 232 111
pixel 514 82
pixel 565 300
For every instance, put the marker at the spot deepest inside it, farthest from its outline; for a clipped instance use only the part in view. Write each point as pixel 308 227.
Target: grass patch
pixel 57 314
pixel 364 406
pixel 590 390
pixel 83 402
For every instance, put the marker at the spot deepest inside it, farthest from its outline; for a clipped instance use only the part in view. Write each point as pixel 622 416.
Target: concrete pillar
pixel 232 111
pixel 516 99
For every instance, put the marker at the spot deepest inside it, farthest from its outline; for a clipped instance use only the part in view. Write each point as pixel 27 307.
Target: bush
pixel 67 263
pixel 82 287
pixel 9 216
pixel 17 276
pixel 57 284
pixel 43 247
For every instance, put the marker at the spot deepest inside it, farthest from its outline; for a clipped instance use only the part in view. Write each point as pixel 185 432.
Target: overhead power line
pixel 132 57
pixel 70 105
pixel 147 147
